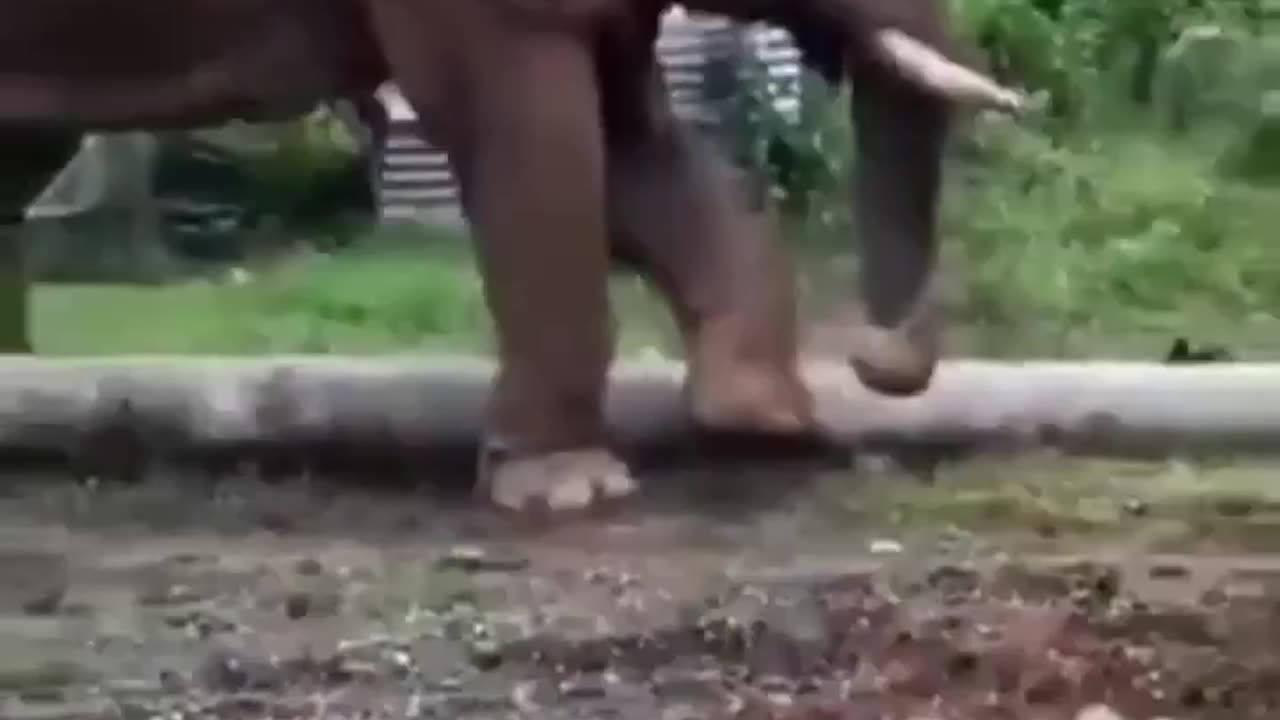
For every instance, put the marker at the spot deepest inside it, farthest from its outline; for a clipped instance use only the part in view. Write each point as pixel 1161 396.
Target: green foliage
pixel 1105 234
pixel 1143 200
pixel 1081 51
pixel 802 156
pixel 302 175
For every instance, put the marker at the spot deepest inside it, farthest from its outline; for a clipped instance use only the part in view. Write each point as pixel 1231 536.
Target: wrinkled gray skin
pixel 566 150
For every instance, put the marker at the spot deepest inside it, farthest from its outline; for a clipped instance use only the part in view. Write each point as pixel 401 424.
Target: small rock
pixel 584 687
pixel 1046 688
pixel 309 567
pixel 355 670
pixel 485 654
pixel 450 684
pixel 225 670
pixel 202 623
pixel 1098 712
pixel 1234 507
pixel 173 682
pixel 476 559
pixel 129 688
pixel 886 547
pixel 238 276
pixel 954 580
pixel 1136 507
pixel 135 710
pixel 1214 597
pixel 240 705
pixel 1168 571
pixel 776 685
pixel 401 662
pixel 686 685
pixel 914 679
pixel 168 594
pixel 682 711
pixel 46 602
pixel 297 605
pixel 313 602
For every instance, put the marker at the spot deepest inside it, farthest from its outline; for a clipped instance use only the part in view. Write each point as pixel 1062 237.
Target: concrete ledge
pixel 433 407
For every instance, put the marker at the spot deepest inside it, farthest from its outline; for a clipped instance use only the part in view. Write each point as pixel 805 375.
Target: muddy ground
pixel 750 594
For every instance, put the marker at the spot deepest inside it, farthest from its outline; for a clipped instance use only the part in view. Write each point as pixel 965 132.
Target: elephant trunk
pixel 899 133
pixel 903 93
pixel 904 87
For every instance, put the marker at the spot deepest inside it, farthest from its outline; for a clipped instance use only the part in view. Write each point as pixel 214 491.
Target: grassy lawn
pixel 419 299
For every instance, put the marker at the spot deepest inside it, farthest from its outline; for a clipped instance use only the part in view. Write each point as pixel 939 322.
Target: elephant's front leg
pixel 522 128
pixel 680 214
pixel 535 186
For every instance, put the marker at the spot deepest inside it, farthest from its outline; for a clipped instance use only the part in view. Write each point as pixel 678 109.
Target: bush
pixel 303 177
pixel 1092 56
pixel 1107 232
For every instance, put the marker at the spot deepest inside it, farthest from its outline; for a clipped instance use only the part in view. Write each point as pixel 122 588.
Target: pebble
pixel 685 685
pixel 1098 712
pixel 682 711
pixel 323 600
pixel 582 687
pixel 229 671
pixel 173 682
pixel 1168 571
pixel 485 654
pixel 886 547
pixel 469 558
pixel 309 567
pixel 201 623
pixel 297 605
pixel 164 595
pixel 1136 507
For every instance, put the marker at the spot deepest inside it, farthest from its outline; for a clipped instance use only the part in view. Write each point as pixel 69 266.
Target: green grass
pixel 1096 245
pixel 1104 246
pixel 409 298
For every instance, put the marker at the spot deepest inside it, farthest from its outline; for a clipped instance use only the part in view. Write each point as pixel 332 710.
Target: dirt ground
pixel 739 596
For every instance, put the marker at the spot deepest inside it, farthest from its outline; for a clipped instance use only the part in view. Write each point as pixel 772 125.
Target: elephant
pixel 568 158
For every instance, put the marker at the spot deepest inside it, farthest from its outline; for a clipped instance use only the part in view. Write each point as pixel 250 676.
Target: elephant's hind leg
pixel 28 162
pixel 524 139
pixel 678 214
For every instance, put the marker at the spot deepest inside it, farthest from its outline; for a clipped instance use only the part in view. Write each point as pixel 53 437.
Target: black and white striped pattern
pixel 414 179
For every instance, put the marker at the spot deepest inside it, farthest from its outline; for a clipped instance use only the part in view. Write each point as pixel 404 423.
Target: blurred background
pixel 1137 204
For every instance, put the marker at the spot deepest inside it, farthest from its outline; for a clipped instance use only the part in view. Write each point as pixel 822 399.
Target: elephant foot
pixel 750 400
pixel 556 483
pixel 893 361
